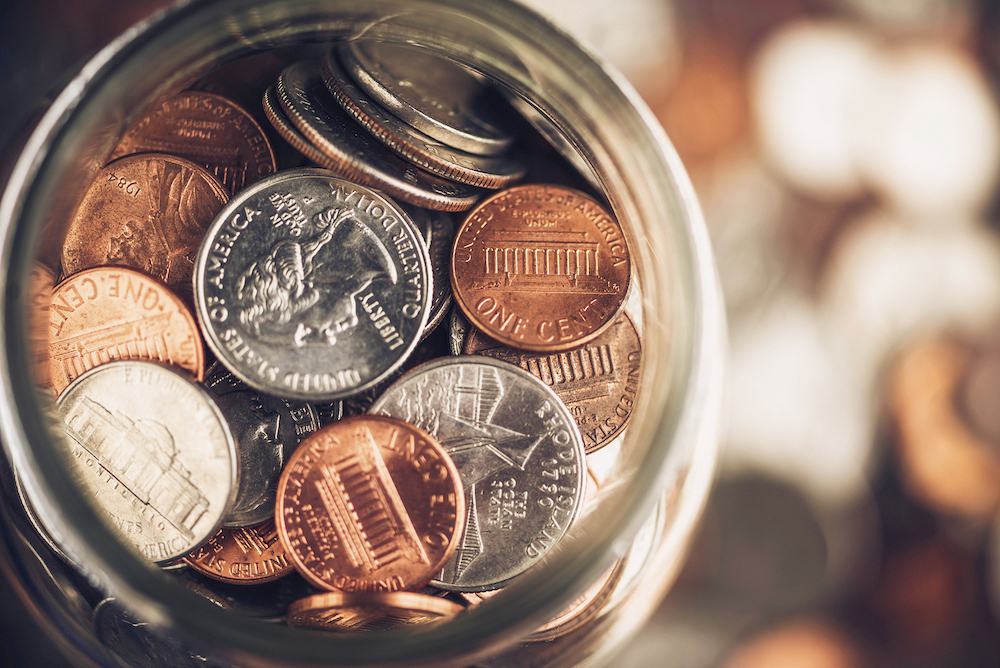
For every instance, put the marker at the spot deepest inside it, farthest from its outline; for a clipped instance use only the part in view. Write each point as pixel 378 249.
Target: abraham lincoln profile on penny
pixel 304 292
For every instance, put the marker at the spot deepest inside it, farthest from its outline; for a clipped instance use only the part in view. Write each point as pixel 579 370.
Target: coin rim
pixel 410 601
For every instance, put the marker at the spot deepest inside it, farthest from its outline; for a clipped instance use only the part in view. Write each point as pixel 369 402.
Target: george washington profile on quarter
pixel 305 291
pixel 311 287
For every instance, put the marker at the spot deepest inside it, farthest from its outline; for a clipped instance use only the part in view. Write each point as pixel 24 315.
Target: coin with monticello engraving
pixel 337 611
pixel 369 504
pixel 208 130
pixel 517 450
pixel 153 452
pixel 113 313
pixel 267 430
pixel 541 267
pixel 349 150
pixel 596 381
pixel 484 171
pixel 311 287
pixel 242 555
pixel 147 211
pixel 431 93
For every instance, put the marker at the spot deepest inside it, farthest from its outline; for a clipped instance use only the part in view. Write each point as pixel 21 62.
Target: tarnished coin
pixel 458 329
pixel 147 212
pixel 596 381
pixel 208 130
pixel 369 504
pixel 114 313
pixel 153 451
pixel 484 171
pixel 311 287
pixel 348 149
pixel 432 94
pixel 539 267
pixel 267 430
pixel 243 555
pixel 519 454
pixel 336 611
pixel 439 233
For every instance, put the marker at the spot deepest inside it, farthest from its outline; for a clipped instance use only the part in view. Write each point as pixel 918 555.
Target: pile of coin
pixel 296 449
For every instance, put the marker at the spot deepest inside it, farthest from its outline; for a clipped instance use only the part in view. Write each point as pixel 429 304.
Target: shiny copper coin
pixel 540 267
pixel 336 611
pixel 370 504
pixel 243 555
pixel 208 130
pixel 149 212
pixel 115 313
pixel 596 381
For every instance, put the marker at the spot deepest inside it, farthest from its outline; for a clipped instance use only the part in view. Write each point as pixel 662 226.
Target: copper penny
pixel 148 212
pixel 370 504
pixel 540 267
pixel 584 608
pixel 336 611
pixel 243 555
pixel 115 313
pixel 208 130
pixel 596 381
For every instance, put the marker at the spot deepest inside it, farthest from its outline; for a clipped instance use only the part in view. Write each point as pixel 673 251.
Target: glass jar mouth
pixel 593 109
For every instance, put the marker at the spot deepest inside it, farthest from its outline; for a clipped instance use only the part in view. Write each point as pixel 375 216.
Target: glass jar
pixel 666 458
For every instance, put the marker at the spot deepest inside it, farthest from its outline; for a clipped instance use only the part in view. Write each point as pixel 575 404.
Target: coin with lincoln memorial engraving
pixel 541 267
pixel 154 453
pixel 310 287
pixel 369 504
pixel 517 450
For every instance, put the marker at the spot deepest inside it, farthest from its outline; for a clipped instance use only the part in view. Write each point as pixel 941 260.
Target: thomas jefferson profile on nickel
pixel 303 292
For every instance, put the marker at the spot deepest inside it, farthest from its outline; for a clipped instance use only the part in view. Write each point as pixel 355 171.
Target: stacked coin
pixel 333 437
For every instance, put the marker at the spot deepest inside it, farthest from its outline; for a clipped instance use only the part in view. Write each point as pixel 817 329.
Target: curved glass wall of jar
pixel 668 448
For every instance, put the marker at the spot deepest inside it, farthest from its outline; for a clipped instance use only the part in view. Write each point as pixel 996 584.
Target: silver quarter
pixel 434 95
pixel 439 233
pixel 267 430
pixel 484 171
pixel 153 451
pixel 311 287
pixel 517 450
pixel 349 150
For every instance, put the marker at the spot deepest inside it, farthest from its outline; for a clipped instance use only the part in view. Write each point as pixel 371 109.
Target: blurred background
pixel 846 154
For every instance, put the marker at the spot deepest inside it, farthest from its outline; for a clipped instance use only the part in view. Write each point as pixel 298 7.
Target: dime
pixel 267 430
pixel 439 234
pixel 243 555
pixel 208 130
pixel 348 149
pixel 152 450
pixel 484 171
pixel 311 287
pixel 336 611
pixel 369 504
pixel 458 329
pixel 432 94
pixel 539 267
pixel 148 212
pixel 520 457
pixel 112 313
pixel 596 381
